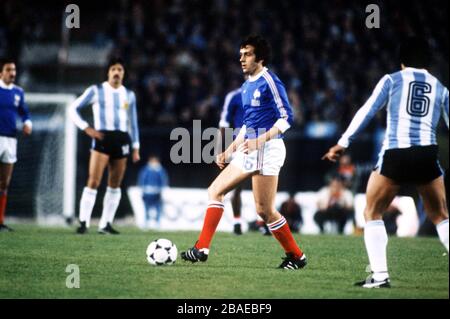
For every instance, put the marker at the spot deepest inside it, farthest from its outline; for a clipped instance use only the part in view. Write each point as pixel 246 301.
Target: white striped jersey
pixel 113 110
pixel 414 99
pixel 265 104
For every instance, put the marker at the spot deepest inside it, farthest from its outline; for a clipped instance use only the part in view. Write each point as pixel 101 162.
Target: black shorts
pixel 414 165
pixel 116 144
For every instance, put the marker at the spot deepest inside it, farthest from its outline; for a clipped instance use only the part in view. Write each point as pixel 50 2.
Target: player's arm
pixel 254 144
pixel 376 101
pixel 25 116
pixel 226 114
pixel 223 158
pixel 220 139
pixel 226 117
pixel 134 129
pixel 87 98
pixel 445 108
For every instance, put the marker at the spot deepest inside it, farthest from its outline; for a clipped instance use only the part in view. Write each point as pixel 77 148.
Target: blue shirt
pixel 265 104
pixel 12 103
pixel 232 110
pixel 152 179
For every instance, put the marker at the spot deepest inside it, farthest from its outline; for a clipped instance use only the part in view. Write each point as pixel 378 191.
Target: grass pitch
pixel 33 263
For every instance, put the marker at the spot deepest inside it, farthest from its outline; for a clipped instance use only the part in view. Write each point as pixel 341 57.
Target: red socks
pixel 281 231
pixel 3 197
pixel 212 218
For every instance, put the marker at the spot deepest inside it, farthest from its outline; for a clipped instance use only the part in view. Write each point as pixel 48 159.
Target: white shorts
pixel 268 161
pixel 8 150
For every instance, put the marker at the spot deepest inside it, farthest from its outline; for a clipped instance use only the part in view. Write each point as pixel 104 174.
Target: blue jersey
pixel 266 104
pixel 414 99
pixel 232 110
pixel 152 179
pixel 114 110
pixel 12 103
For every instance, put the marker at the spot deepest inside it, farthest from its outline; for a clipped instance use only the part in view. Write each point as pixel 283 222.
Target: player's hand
pixel 334 153
pixel 221 160
pixel 26 130
pixel 94 133
pixel 135 157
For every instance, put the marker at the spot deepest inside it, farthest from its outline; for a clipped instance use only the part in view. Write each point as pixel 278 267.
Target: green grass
pixel 33 261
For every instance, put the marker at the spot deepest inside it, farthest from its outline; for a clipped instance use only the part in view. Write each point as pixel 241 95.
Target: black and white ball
pixel 162 252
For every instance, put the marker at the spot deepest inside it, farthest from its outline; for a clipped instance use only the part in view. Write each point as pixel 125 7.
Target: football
pixel 161 252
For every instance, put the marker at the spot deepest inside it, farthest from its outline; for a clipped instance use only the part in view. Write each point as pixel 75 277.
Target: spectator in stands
pixel 346 170
pixel 292 211
pixel 390 219
pixel 334 204
pixel 153 180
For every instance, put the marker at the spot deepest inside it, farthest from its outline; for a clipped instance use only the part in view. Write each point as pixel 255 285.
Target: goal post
pixel 51 172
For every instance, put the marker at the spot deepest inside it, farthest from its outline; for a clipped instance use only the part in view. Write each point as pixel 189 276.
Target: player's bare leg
pixel 228 179
pixel 264 192
pixel 116 172
pixel 379 195
pixel 435 204
pixel 97 164
pixel 6 170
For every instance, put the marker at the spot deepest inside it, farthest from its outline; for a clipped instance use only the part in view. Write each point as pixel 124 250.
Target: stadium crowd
pixel 182 56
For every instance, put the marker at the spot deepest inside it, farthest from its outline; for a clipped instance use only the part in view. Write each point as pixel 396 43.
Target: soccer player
pixel 232 117
pixel 12 103
pixel 259 153
pixel 414 100
pixel 114 110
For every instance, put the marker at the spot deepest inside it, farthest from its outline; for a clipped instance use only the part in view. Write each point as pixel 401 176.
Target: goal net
pixel 43 184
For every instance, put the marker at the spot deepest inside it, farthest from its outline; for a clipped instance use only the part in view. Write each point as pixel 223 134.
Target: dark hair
pixel 337 177
pixel 115 60
pixel 4 61
pixel 262 51
pixel 415 52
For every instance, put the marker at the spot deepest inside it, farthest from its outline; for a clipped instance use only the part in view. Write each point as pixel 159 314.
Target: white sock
pixel 442 230
pixel 376 240
pixel 87 203
pixel 110 204
pixel 237 220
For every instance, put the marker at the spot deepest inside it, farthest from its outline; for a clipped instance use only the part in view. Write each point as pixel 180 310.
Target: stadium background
pixel 182 58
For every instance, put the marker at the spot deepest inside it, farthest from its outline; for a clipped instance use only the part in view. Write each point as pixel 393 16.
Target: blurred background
pixel 182 59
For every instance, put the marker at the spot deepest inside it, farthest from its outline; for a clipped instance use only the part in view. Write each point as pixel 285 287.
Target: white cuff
pixel 83 125
pixel 282 125
pixel 136 145
pixel 28 123
pixel 344 142
pixel 223 123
